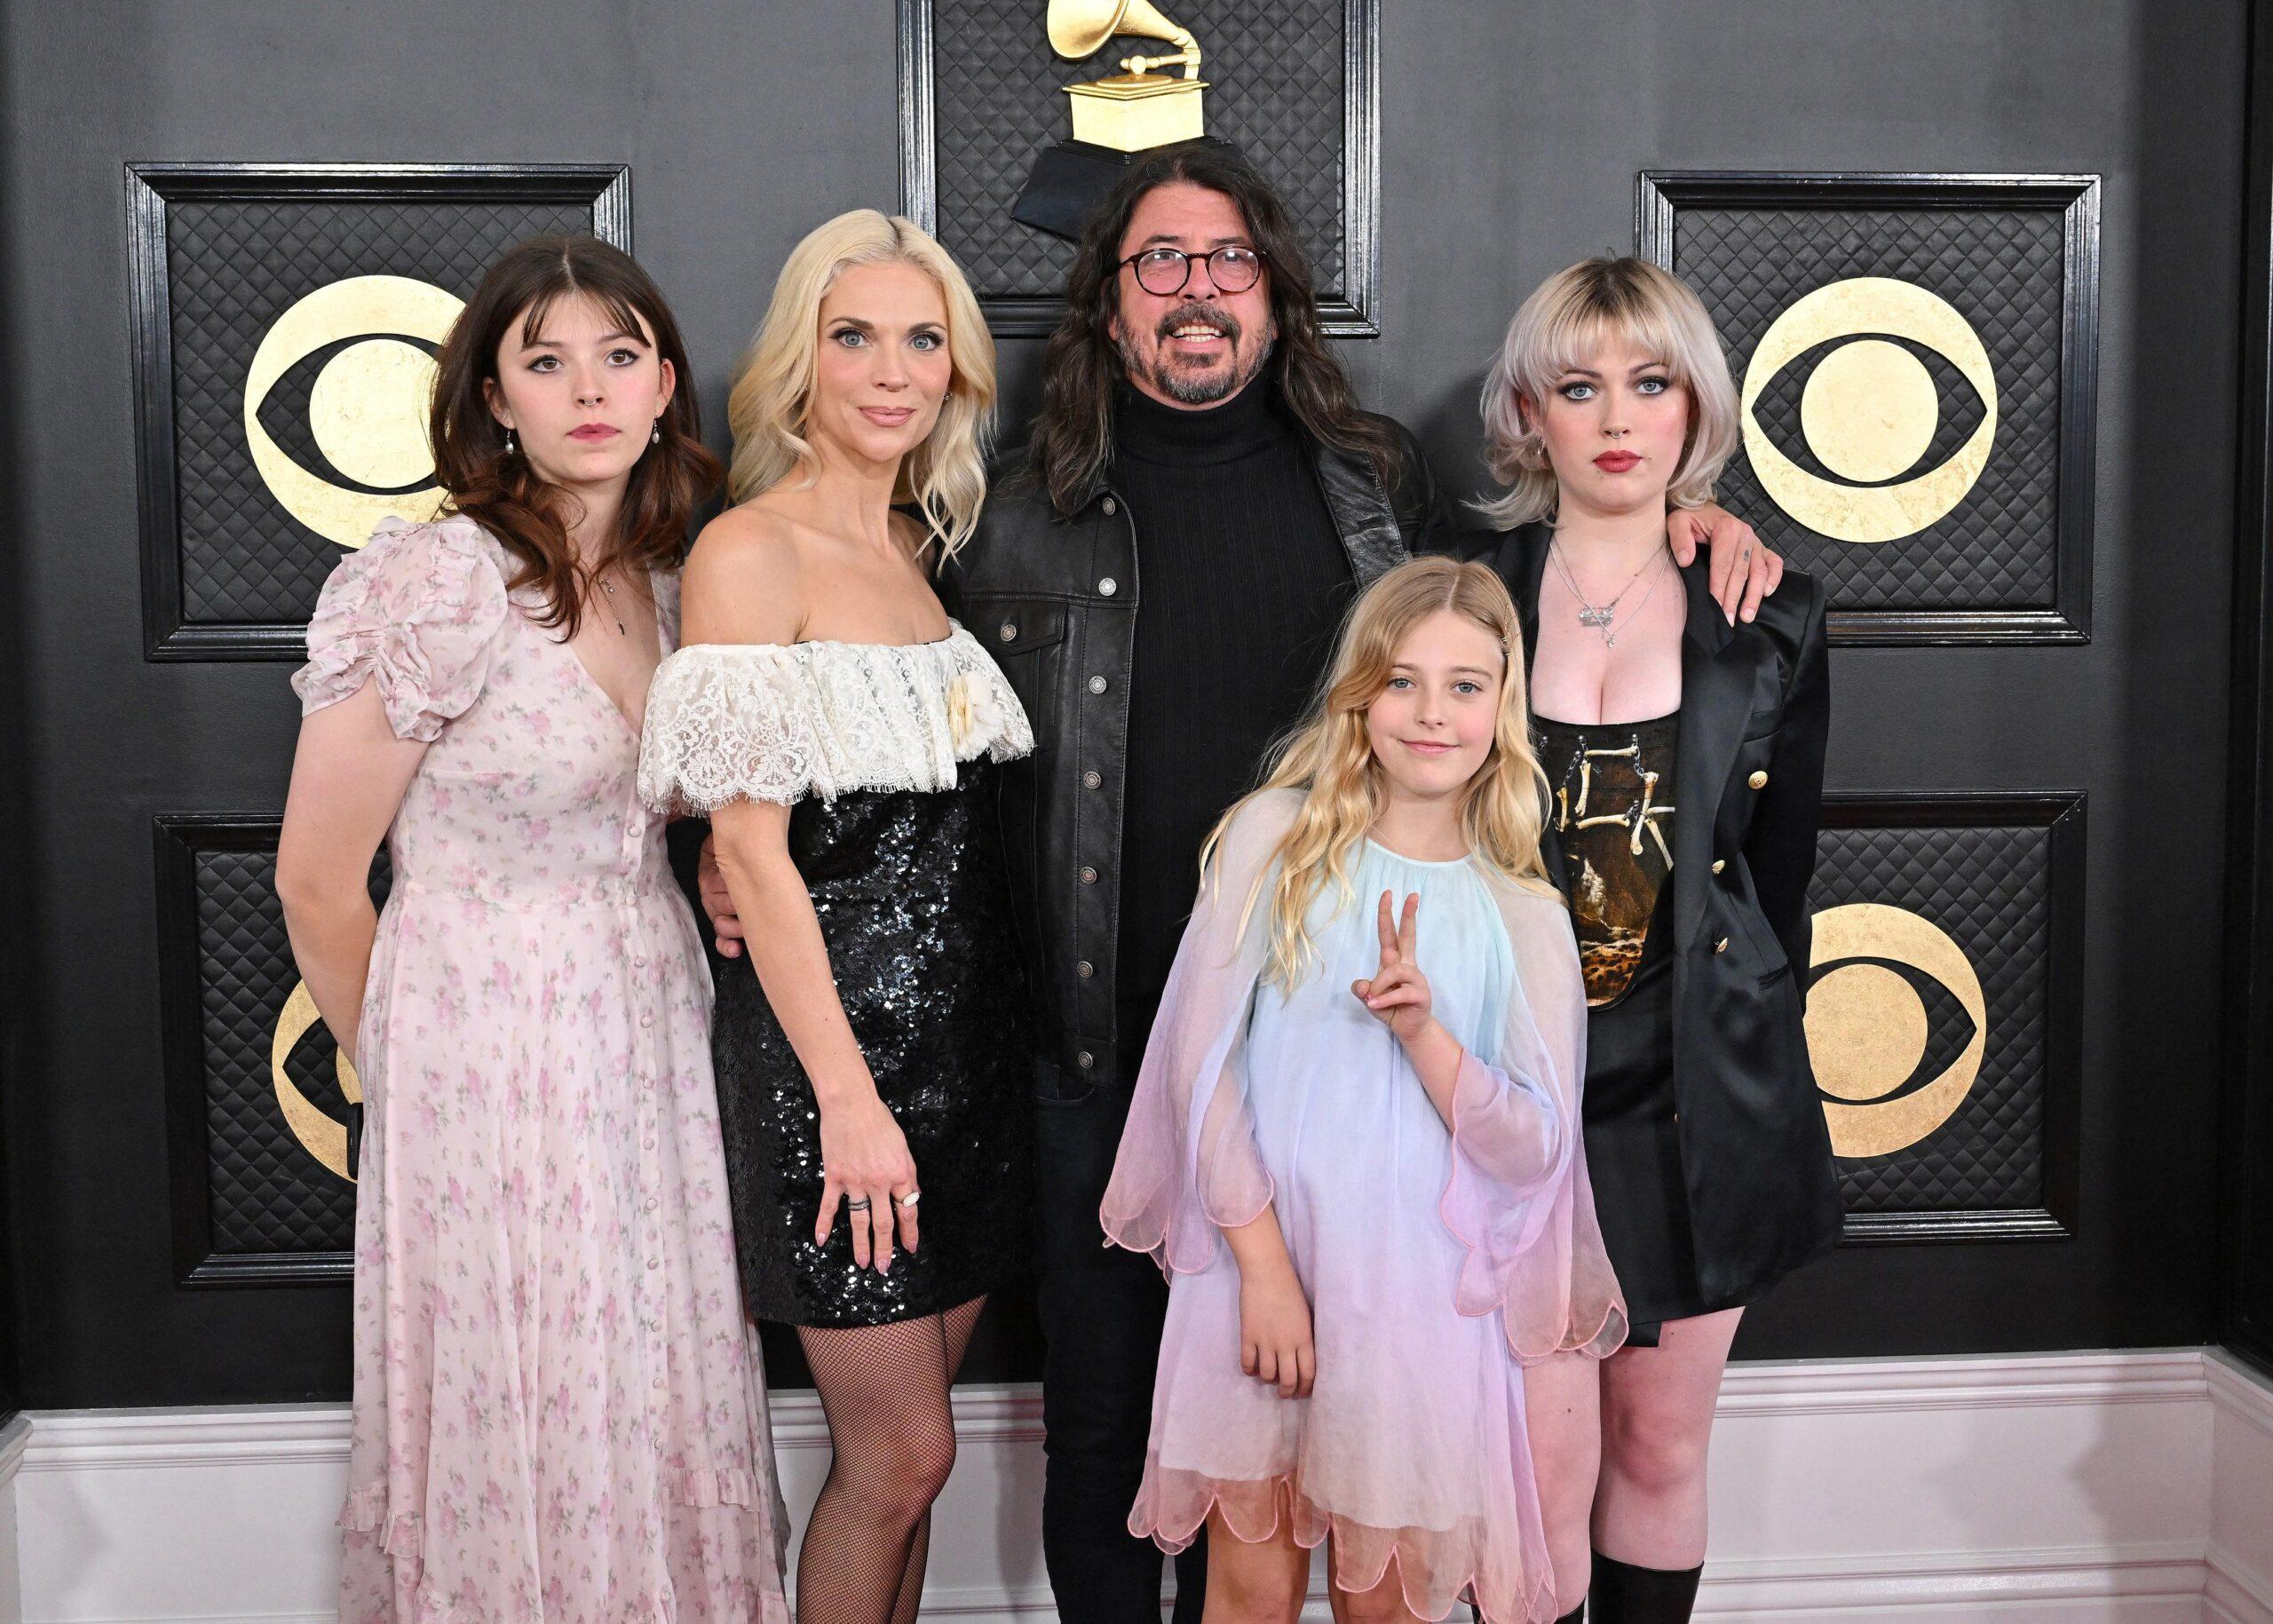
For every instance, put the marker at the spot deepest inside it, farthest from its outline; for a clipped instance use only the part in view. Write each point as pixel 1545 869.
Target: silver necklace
pixel 1603 617
pixel 615 613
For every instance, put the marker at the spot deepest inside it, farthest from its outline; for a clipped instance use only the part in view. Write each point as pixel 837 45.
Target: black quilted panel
pixel 235 266
pixel 265 1193
pixel 1988 889
pixel 2003 270
pixel 1276 81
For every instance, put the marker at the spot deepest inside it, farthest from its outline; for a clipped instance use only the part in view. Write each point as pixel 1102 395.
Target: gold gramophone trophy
pixel 1137 108
pixel 1115 118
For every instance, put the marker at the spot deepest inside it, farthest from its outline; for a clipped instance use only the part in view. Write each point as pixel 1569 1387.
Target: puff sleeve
pixel 417 611
pixel 1188 1165
pixel 1518 1198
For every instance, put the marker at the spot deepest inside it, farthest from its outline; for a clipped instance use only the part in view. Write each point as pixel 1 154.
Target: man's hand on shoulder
pixel 1744 568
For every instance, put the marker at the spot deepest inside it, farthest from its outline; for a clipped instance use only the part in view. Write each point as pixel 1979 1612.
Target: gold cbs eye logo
pixel 322 1137
pixel 366 403
pixel 1869 410
pixel 1870 1030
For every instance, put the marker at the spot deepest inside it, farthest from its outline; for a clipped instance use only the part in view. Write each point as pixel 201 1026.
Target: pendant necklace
pixel 1603 617
pixel 615 613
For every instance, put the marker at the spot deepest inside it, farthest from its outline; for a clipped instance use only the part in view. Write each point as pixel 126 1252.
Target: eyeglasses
pixel 1164 271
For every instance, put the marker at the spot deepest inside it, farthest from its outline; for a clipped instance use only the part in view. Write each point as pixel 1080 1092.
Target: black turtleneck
pixel 1241 583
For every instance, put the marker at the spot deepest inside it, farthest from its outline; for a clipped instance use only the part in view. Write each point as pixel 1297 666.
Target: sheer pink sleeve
pixel 417 611
pixel 1518 1197
pixel 1188 1165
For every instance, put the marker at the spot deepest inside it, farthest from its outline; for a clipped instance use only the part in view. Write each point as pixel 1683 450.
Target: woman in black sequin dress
pixel 843 736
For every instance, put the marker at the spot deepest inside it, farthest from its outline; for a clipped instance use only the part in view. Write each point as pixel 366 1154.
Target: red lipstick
pixel 1616 462
pixel 594 431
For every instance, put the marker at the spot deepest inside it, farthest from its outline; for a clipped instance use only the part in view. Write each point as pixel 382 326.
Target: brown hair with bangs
pixel 507 497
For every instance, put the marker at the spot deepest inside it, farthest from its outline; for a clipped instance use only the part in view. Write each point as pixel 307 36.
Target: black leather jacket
pixel 1055 599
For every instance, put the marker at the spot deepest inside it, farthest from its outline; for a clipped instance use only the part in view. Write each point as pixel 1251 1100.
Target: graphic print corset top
pixel 1611 785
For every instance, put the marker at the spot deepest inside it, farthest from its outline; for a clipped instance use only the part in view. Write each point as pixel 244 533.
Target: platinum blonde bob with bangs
pixel 1558 327
pixel 1329 758
pixel 768 408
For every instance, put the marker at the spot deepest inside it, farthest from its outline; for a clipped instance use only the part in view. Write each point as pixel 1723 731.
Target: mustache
pixel 1194 314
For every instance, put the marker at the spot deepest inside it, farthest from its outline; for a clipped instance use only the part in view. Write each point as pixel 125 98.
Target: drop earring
pixel 656 438
pixel 510 448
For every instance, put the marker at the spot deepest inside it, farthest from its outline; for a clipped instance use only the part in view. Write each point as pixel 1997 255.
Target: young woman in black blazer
pixel 1684 751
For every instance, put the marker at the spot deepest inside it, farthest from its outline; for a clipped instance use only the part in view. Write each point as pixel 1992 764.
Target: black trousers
pixel 1102 1308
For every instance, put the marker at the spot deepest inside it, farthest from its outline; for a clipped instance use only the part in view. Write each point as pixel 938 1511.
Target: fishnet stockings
pixel 885 1390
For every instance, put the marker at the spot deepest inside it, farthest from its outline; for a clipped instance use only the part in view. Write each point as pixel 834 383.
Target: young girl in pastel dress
pixel 1355 1144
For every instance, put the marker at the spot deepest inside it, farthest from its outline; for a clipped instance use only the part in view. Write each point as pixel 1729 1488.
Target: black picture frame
pixel 1660 195
pixel 1350 312
pixel 179 839
pixel 2245 1274
pixel 2063 813
pixel 151 190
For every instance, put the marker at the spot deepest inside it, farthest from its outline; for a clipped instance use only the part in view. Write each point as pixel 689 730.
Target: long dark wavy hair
pixel 507 497
pixel 1072 435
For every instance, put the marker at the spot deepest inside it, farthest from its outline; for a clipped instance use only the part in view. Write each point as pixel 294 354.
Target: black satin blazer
pixel 1755 710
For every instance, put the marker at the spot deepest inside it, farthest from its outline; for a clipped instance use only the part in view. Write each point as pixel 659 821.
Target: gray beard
pixel 1195 389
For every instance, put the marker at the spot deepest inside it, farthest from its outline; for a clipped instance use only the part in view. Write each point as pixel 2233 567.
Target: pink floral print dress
pixel 560 1407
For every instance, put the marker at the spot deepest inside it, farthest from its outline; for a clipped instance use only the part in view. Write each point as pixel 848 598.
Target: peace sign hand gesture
pixel 1397 994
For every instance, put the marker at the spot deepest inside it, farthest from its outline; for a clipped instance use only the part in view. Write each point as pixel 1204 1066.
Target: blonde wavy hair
pixel 946 476
pixel 1328 757
pixel 1565 320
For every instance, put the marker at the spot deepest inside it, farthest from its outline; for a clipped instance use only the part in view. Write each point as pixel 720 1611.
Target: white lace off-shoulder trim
pixel 773 721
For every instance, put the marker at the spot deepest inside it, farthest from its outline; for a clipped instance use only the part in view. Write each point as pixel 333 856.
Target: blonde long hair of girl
pixel 946 476
pixel 1328 757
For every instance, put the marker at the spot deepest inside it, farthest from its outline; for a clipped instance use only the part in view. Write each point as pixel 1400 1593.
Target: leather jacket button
pixel 1085 970
pixel 1092 780
pixel 1088 876
pixel 1107 586
pixel 1722 946
pixel 1085 1059
pixel 1758 780
pixel 1720 863
pixel 1111 507
pixel 1009 632
pixel 1098 685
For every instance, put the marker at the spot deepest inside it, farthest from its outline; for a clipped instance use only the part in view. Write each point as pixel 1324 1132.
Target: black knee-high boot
pixel 1621 1593
pixel 1577 1615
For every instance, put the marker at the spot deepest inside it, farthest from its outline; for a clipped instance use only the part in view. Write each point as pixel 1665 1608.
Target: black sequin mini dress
pixel 886 756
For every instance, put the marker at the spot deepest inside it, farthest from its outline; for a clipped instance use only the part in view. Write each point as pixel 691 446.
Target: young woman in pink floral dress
pixel 560 1411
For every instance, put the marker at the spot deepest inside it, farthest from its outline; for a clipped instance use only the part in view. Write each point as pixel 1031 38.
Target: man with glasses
pixel 1161 573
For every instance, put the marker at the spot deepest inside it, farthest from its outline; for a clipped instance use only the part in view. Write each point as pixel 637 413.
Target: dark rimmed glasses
pixel 1163 272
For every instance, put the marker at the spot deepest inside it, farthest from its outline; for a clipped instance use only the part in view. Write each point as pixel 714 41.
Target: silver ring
pixel 859 1205
pixel 909 1200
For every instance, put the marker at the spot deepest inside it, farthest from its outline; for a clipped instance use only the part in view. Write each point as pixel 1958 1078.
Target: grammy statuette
pixel 1114 117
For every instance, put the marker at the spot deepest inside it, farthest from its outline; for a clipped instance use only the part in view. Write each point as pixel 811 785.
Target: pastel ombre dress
pixel 559 1409
pixel 1435 1260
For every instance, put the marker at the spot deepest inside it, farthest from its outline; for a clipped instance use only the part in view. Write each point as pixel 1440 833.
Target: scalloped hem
pixel 1610 1330
pixel 1433 1576
pixel 1128 1234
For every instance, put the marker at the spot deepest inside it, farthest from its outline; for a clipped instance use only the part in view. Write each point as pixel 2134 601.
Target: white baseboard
pixel 2118 1488
pixel 2239 1590
pixel 14 1438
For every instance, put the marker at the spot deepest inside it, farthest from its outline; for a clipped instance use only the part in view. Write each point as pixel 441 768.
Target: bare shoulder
pixel 743 581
